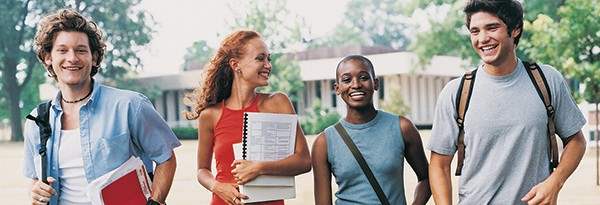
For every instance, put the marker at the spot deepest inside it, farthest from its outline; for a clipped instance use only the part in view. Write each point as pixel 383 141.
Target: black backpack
pixel 43 123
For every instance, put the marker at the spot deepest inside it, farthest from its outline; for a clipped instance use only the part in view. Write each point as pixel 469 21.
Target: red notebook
pixel 124 191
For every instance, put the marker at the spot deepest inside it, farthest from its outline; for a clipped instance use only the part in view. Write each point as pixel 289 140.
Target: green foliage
pixel 394 103
pixel 571 44
pixel 343 35
pixel 285 77
pixel 372 22
pixel 280 30
pixel 448 37
pixel 318 118
pixel 591 79
pixel 197 55
pixel 186 133
pixel 30 95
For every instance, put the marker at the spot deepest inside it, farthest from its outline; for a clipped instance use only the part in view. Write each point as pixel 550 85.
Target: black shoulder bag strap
pixel 43 123
pixel 363 164
pixel 463 97
pixel 541 86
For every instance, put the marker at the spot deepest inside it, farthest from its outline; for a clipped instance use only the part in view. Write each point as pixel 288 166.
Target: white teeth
pixel 265 74
pixel 356 94
pixel 488 48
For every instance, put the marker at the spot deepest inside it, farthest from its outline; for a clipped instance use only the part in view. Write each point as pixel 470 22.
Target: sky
pixel 182 22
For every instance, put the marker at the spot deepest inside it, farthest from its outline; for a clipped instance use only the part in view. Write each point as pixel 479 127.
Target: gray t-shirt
pixel 505 133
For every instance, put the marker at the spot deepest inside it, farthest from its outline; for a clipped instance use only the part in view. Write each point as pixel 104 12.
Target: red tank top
pixel 228 131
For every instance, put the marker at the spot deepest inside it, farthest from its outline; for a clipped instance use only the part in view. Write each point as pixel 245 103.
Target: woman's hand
pixel 228 192
pixel 244 171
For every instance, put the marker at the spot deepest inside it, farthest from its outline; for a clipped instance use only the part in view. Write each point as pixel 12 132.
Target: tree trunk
pixel 597 148
pixel 13 96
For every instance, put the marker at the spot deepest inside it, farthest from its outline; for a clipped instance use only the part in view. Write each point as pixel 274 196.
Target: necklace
pixel 78 100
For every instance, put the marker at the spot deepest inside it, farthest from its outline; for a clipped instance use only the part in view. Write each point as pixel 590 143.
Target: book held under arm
pixel 128 184
pixel 267 137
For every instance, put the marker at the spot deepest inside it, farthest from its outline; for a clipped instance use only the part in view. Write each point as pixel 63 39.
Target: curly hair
pixel 68 20
pixel 218 75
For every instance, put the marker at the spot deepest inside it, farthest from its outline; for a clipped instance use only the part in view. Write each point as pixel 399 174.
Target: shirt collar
pixel 95 93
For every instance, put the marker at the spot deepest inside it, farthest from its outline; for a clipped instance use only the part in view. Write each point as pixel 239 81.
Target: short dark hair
pixel 68 20
pixel 509 11
pixel 363 60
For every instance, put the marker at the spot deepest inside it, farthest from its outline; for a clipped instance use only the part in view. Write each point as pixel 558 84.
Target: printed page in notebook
pixel 270 136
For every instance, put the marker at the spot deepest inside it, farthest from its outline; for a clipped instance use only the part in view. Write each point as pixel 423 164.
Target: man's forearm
pixel 439 178
pixel 163 178
pixel 571 156
pixel 441 185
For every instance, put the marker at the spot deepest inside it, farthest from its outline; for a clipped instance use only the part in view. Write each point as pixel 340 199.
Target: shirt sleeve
pixel 155 138
pixel 444 132
pixel 568 118
pixel 30 133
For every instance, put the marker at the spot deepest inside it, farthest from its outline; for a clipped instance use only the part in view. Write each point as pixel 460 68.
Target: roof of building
pixel 188 79
pixel 386 64
pixel 322 67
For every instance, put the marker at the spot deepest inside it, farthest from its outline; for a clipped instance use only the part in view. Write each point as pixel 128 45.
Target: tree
pixel 197 55
pixel 126 27
pixel 373 23
pixel 281 31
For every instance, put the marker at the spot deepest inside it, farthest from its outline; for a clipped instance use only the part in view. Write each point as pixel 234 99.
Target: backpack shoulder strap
pixel 463 97
pixel 43 122
pixel 541 86
pixel 363 164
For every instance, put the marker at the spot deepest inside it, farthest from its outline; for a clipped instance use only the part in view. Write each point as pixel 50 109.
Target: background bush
pixel 186 133
pixel 318 118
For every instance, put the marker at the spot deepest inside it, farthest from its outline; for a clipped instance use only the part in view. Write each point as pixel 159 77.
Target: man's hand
pixel 41 193
pixel 543 193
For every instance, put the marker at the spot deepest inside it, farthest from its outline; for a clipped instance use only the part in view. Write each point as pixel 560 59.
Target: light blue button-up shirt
pixel 114 124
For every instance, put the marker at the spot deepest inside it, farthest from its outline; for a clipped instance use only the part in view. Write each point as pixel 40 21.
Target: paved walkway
pixel 580 189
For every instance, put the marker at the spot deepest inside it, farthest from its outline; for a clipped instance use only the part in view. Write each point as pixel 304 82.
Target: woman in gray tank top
pixel 383 139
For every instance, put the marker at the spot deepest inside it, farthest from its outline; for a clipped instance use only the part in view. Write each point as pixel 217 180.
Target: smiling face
pixel 71 58
pixel 255 64
pixel 490 38
pixel 355 84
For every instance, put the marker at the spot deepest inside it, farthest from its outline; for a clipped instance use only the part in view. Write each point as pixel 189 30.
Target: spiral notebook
pixel 268 137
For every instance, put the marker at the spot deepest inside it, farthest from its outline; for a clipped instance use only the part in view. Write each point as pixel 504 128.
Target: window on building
pixel 318 89
pixel 381 89
pixel 593 135
pixel 165 102
pixel 333 95
pixel 176 100
pixel 187 92
pixel 305 91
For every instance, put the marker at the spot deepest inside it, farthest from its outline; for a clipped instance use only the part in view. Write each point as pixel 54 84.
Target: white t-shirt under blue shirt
pixel 73 188
pixel 505 133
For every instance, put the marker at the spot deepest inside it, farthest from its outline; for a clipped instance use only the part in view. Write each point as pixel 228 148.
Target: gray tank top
pixel 382 145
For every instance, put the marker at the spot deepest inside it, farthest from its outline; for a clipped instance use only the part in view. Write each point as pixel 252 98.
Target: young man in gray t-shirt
pixel 505 129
